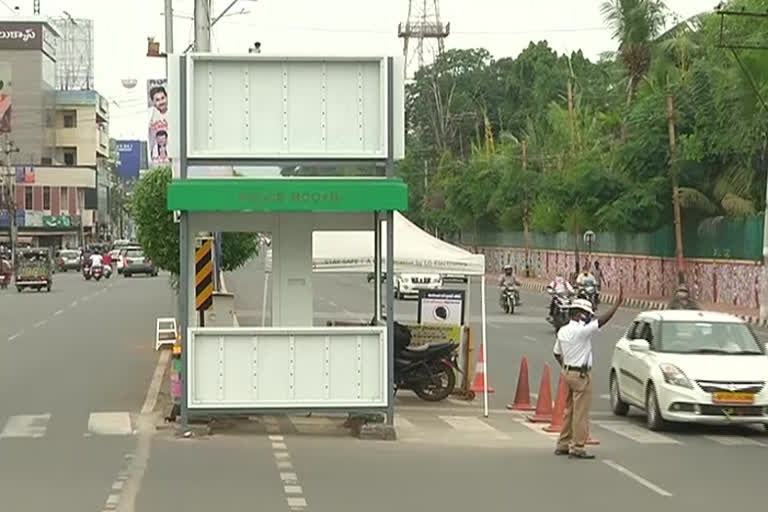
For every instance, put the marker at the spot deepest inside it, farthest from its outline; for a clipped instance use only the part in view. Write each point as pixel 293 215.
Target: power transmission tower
pixel 424 27
pixel 728 42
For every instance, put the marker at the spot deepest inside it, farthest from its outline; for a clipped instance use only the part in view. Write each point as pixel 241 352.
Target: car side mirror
pixel 640 346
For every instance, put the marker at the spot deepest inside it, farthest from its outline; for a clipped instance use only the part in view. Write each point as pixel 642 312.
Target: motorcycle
pixel 87 272
pixel 107 271
pixel 509 299
pixel 562 306
pixel 589 292
pixel 97 272
pixel 428 370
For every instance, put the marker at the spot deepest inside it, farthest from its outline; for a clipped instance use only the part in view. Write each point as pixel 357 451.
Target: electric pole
pixel 203 26
pixel 10 193
pixel 168 28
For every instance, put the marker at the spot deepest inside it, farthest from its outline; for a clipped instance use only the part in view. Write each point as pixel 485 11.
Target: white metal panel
pixel 275 367
pixel 291 107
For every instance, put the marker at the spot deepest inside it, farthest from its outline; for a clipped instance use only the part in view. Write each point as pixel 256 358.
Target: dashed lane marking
pixel 735 441
pixel 41 323
pixel 57 313
pixel 14 336
pixel 637 478
pixel 110 423
pixel 26 425
pixel 635 433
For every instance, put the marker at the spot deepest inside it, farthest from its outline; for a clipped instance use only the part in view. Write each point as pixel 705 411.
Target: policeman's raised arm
pixel 604 319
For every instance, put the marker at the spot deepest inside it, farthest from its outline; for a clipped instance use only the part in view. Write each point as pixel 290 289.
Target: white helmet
pixel 582 304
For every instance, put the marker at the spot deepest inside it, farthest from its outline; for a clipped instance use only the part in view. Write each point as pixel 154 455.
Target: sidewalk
pixel 608 296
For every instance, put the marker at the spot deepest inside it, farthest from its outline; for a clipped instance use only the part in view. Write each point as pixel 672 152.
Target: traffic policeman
pixel 573 351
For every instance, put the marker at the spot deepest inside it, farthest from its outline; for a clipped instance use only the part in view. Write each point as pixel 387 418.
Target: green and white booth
pixel 285 112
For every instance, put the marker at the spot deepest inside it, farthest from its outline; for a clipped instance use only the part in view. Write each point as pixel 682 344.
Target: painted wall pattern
pixel 732 282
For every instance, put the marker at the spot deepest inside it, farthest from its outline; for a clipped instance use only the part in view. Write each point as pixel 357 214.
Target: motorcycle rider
pixel 509 280
pixel 586 279
pixel 560 286
pixel 96 260
pixel 683 299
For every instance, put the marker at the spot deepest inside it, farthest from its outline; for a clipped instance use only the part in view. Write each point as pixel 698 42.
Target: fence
pixel 720 238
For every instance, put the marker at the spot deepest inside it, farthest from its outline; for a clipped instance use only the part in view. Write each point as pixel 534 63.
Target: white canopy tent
pixel 415 251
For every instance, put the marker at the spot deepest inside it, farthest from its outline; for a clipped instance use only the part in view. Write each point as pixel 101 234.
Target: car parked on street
pixel 690 366
pixel 68 259
pixel 135 262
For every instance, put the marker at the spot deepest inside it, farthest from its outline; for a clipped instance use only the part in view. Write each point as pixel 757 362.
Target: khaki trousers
pixel 578 393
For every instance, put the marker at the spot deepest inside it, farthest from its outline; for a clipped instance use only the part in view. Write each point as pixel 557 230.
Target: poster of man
pixel 5 97
pixel 157 97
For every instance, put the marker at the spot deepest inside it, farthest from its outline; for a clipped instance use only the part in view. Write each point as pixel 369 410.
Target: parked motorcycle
pixel 428 370
pixel 561 313
pixel 509 299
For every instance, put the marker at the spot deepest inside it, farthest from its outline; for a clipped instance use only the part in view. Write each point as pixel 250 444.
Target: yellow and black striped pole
pixel 204 277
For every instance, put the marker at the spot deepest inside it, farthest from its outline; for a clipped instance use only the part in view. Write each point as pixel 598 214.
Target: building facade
pixel 28 76
pixel 74 53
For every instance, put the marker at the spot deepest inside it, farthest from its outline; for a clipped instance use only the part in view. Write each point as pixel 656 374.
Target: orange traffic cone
pixel 558 415
pixel 522 400
pixel 543 412
pixel 479 383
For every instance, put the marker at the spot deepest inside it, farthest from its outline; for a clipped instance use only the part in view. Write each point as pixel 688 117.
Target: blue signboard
pixel 20 217
pixel 129 152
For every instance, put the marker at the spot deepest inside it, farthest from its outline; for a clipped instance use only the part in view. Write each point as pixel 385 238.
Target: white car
pixel 691 367
pixel 408 285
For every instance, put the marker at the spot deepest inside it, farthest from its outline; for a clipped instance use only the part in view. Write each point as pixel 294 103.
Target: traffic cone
pixel 591 441
pixel 522 400
pixel 478 385
pixel 558 415
pixel 543 412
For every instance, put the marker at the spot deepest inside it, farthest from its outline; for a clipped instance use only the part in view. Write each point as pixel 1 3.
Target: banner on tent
pixel 441 307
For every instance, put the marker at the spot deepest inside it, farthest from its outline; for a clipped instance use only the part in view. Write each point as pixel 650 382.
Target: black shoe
pixel 581 455
pixel 561 451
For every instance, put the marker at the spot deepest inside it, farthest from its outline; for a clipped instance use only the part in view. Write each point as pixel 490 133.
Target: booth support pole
pixel 390 248
pixel 376 266
pixel 184 256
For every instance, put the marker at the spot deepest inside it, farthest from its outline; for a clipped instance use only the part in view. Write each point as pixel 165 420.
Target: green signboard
pixel 57 221
pixel 288 195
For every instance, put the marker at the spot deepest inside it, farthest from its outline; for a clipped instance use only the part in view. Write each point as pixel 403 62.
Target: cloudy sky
pixel 318 27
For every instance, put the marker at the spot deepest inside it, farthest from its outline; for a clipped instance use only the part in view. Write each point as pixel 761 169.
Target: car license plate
pixel 733 398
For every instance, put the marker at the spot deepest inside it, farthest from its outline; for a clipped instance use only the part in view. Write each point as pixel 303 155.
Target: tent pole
pixel 485 348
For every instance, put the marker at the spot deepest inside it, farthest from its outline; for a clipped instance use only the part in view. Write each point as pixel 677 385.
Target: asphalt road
pixel 86 349
pixel 75 364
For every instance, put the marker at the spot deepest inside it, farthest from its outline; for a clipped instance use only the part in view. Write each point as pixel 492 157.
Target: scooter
pixel 589 292
pixel 107 271
pixel 97 272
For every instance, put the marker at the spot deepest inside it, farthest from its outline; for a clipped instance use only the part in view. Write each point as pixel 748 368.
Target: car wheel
pixel 126 274
pixel 653 417
pixel 618 406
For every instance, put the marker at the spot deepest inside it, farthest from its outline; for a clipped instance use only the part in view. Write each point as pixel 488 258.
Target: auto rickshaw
pixel 34 268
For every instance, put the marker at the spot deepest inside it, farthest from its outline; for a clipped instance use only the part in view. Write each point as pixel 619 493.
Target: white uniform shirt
pixel 97 260
pixel 574 343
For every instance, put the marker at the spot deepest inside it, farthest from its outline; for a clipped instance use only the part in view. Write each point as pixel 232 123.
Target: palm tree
pixel 635 23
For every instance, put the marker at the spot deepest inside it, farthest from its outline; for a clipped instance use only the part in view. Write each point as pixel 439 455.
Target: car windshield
pixel 69 254
pixel 134 254
pixel 708 338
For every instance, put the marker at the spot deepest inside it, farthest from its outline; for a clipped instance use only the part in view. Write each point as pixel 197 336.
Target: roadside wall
pixel 733 282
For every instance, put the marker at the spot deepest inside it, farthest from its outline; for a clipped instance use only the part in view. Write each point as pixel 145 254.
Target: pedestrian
pixel 598 273
pixel 573 351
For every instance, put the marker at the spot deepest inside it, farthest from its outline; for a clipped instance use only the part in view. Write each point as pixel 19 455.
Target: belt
pixel 571 368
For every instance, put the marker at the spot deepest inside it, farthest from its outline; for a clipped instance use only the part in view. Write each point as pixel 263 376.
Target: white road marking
pixel 74 304
pixel 276 438
pixel 605 396
pixel 292 489
pixel 58 312
pixel 110 423
pixel 289 477
pixel 282 455
pixel 117 485
pixel 26 425
pixel 284 464
pixel 14 336
pixel 157 380
pixel 734 441
pixel 637 478
pixel 529 338
pixel 41 323
pixel 469 425
pixel 279 446
pixel 635 433
pixel 296 502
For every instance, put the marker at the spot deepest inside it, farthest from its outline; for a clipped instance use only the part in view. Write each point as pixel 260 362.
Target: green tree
pixel 159 235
